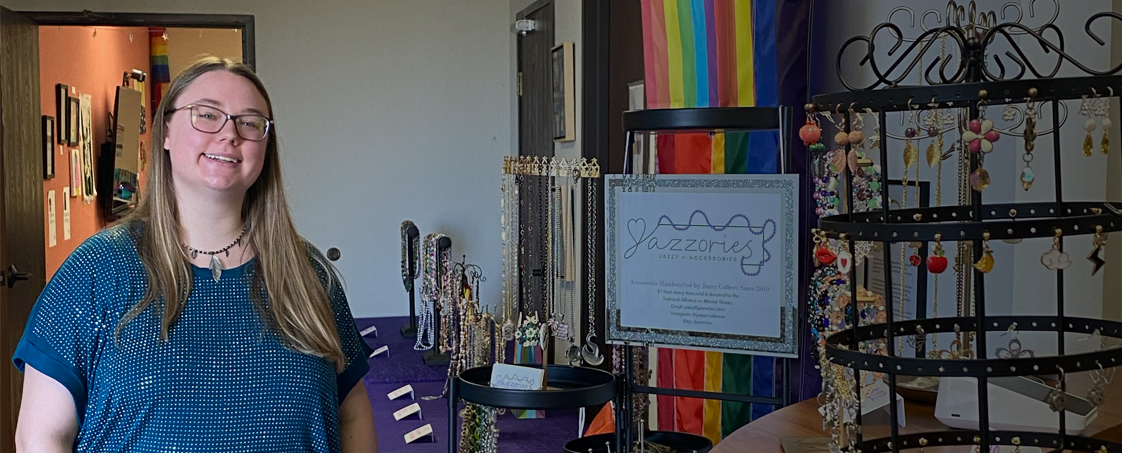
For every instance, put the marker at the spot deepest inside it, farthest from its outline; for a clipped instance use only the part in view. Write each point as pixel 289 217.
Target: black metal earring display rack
pixel 699 119
pixel 967 86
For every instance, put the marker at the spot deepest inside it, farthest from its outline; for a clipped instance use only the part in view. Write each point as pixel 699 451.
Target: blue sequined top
pixel 221 381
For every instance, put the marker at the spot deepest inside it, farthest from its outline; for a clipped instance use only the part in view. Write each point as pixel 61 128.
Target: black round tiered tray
pixel 568 387
pixel 679 442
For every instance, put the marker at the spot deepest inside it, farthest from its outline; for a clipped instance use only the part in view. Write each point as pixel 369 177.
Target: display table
pixel 803 420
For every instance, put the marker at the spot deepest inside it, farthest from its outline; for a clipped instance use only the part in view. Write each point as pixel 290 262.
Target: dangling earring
pixel 980 138
pixel 1027 175
pixel 985 263
pixel 1055 258
pixel 822 253
pixel 1087 109
pixel 856 136
pixel 1101 378
pixel 937 261
pixel 811 132
pixel 1055 398
pixel 1093 257
pixel 1105 109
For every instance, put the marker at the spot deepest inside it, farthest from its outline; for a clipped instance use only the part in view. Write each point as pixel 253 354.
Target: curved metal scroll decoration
pixel 971 51
pixel 1023 62
pixel 967 16
pixel 925 41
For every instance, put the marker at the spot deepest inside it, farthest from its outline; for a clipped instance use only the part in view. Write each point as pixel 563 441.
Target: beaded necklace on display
pixel 432 260
pixel 409 263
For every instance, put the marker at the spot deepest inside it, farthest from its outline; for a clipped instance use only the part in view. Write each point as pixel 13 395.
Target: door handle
pixel 14 276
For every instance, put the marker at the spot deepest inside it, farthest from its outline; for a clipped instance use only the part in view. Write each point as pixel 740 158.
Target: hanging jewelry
pixel 591 351
pixel 1014 349
pixel 1055 258
pixel 1087 108
pixel 856 136
pixel 1055 398
pixel 937 261
pixel 985 263
pixel 1105 103
pixel 430 292
pixel 1100 241
pixel 811 132
pixel 1027 175
pixel 980 137
pixel 822 253
pixel 1101 378
pixel 409 261
pixel 216 265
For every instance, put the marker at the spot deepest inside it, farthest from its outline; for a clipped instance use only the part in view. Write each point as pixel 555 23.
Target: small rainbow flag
pixel 711 53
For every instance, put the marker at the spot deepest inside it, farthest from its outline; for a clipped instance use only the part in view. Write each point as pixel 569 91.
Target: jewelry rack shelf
pixel 678 442
pixel 571 387
pixel 971 87
pixel 694 120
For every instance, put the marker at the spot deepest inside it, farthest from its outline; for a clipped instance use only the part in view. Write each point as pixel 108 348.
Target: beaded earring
pixel 980 138
pixel 1027 175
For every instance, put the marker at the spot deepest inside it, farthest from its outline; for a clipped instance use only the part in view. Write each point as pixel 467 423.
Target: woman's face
pixel 220 163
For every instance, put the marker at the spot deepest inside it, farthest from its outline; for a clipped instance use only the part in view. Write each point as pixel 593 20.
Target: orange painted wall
pixel 91 63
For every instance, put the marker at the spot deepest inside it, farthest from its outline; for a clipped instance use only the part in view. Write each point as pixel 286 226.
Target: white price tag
pixel 419 433
pixel 407 411
pixel 369 330
pixel 382 350
pixel 408 389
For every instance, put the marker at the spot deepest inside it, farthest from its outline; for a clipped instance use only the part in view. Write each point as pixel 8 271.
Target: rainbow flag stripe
pixel 711 53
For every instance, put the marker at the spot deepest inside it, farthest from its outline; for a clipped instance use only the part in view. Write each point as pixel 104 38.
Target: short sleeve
pixel 354 347
pixel 62 332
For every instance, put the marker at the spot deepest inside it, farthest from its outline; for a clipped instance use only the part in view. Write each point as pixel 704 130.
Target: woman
pixel 202 321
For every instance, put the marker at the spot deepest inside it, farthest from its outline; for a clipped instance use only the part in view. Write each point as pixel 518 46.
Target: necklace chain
pixel 196 252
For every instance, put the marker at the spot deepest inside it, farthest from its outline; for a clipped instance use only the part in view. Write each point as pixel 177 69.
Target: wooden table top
pixel 803 420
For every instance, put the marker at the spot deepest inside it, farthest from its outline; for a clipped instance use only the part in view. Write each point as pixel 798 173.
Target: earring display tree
pixel 966 86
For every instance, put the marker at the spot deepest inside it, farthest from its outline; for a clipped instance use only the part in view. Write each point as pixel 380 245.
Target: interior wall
pixel 89 63
pixel 385 111
pixel 185 45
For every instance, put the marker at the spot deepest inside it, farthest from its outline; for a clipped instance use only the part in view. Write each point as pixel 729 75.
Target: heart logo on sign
pixel 634 225
pixel 845 262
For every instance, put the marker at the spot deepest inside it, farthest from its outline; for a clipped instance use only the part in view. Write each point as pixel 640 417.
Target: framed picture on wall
pixel 72 107
pixel 75 173
pixel 62 102
pixel 564 96
pixel 48 147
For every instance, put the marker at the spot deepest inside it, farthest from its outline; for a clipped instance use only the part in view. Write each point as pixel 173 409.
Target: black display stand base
pixel 678 442
pixel 409 331
pixel 432 357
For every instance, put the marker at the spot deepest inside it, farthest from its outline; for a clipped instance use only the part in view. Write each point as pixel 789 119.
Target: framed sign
pixel 703 261
pixel 48 147
pixel 564 93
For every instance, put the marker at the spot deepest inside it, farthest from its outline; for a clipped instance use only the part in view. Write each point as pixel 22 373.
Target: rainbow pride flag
pixel 158 58
pixel 697 54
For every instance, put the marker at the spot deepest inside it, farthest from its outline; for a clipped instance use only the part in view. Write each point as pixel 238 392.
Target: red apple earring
pixel 937 261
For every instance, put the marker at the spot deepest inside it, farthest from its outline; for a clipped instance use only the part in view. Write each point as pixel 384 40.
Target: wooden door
pixel 535 138
pixel 21 202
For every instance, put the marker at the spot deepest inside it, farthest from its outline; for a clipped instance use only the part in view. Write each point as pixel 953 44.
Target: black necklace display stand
pixel 434 356
pixel 410 330
pixel 971 85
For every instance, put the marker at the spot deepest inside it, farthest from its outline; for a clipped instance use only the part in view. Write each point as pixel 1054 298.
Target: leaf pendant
pixel 911 155
pixel 934 155
pixel 215 267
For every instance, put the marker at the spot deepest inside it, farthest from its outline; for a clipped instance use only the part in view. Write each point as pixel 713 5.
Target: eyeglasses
pixel 208 119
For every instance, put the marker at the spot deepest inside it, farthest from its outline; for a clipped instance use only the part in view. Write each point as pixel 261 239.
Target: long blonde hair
pixel 298 307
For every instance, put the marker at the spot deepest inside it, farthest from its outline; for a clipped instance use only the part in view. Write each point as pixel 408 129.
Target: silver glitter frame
pixel 787 344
